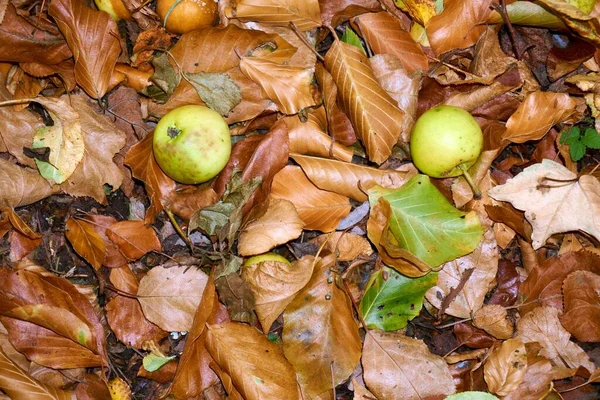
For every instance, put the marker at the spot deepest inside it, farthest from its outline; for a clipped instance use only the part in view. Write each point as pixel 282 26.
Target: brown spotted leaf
pixel 93 38
pixel 373 113
pixel 305 14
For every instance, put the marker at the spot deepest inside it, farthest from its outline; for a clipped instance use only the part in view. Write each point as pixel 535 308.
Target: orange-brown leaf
pixel 505 368
pixel 347 179
pixel 582 306
pixel 373 113
pixel 346 246
pixel 20 225
pixel 93 38
pixel 318 209
pixel 134 238
pixel 305 14
pixel 86 241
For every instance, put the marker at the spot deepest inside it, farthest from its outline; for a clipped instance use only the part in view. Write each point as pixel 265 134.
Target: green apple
pixel 265 257
pixel 115 8
pixel 445 142
pixel 192 144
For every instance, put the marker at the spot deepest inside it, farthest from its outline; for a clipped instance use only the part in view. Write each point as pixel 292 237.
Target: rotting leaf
pixel 582 306
pixel 217 90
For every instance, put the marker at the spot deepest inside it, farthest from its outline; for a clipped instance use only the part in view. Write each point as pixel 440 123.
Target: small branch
pixel 304 40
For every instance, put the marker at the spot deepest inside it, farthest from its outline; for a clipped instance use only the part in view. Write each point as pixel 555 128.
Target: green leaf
pixel 153 362
pixel 392 299
pixel 425 223
pixel 212 218
pixel 569 136
pixel 352 38
pixel 472 396
pixel 217 90
pixel 577 150
pixel 591 139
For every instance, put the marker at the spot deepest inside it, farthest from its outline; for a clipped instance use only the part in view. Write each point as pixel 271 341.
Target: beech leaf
pixel 217 90
pixel 305 14
pixel 554 200
pixel 582 306
pixel 86 241
pixel 505 368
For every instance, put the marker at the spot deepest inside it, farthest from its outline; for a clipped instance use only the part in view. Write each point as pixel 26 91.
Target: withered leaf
pixel 86 241
pixel 22 186
pixel 133 238
pixel 305 14
pixel 581 301
pixel 505 368
pixel 217 90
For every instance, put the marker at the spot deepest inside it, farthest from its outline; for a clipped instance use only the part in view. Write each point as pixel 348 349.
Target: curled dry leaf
pixel 582 306
pixel 93 37
pixel 86 241
pixel 17 129
pixel 505 368
pixel 538 376
pixel 493 319
pixel 375 117
pixel 471 294
pixel 554 200
pixel 346 246
pixel 170 296
pixel 287 86
pixel 542 325
pixel 257 367
pixel 279 224
pixel 305 14
pixel 274 285
pixel 582 23
pixel 309 138
pixel 318 209
pixel 133 238
pixel 320 335
pixel 398 367
pixel 537 114
pixel 349 179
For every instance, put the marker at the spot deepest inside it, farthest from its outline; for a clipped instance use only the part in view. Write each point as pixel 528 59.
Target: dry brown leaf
pixel 542 325
pixel 375 117
pixel 489 60
pixel 287 86
pixel 22 186
pixel 347 179
pixel 461 191
pixel 582 306
pixel 19 385
pixel 256 366
pixel 401 86
pixel 584 24
pixel 309 138
pixel 554 200
pixel 397 367
pixel 458 26
pixel 20 225
pixel 346 246
pixel 538 376
pixel 484 263
pixel 493 319
pixel 505 368
pixel 279 224
pixel 320 335
pixel 305 14
pixel 384 34
pixel 170 296
pixel 360 392
pixel 113 257
pixel 133 238
pixel 274 285
pixel 93 37
pixel 537 114
pixel 102 141
pixel 318 209
pixel 86 241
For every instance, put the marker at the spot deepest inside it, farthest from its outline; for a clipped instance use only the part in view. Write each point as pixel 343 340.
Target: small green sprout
pixel 578 142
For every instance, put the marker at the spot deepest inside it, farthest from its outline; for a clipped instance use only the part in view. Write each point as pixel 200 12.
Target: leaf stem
pixel 470 181
pixel 178 228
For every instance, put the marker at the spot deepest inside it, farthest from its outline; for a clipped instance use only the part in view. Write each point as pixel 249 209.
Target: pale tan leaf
pixel 493 319
pixel 505 368
pixel 320 335
pixel 537 114
pixel 86 242
pixel 93 37
pixel 169 296
pixel 64 139
pixel 385 35
pixel 19 385
pixel 554 200
pixel 287 86
pixel 347 179
pixel 256 366
pixel 274 284
pixel 22 186
pixel 305 14
pixel 484 263
pixel 309 138
pixel 318 209
pixel 103 140
pixel 461 191
pixel 397 367
pixel 373 113
pixel 361 392
pixel 278 225
pixel 542 325
pixel 346 246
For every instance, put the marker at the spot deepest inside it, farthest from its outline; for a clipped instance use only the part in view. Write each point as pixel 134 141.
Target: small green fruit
pixel 115 8
pixel 444 141
pixel 192 144
pixel 265 257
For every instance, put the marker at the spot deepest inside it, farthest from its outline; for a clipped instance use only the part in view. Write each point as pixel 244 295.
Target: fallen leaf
pixel 505 367
pixel 399 367
pixel 538 376
pixel 169 296
pixel 554 200
pixel 542 325
pixel 581 302
pixel 345 245
pixel 256 366
pixel 133 238
pixel 305 14
pixel 279 224
pixel 86 241
pixel 493 319
pixel 22 186
pixel 580 22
